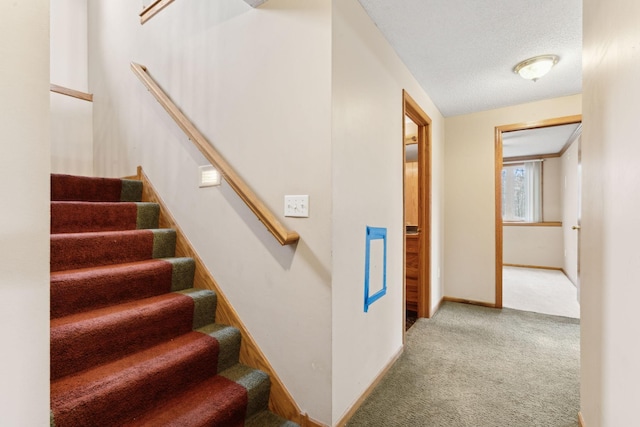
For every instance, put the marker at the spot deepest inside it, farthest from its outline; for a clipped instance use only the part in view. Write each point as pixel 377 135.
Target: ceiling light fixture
pixel 536 67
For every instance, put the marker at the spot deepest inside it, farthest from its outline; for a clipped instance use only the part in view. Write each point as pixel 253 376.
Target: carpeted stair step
pixel 78 217
pixel 76 291
pixel 90 189
pixel 117 392
pixel 240 384
pixel 132 342
pixel 70 251
pixel 88 339
pixel 216 401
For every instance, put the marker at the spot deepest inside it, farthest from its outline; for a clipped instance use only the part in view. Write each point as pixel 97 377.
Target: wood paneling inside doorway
pixel 419 231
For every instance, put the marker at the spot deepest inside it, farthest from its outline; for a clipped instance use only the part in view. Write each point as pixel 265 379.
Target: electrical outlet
pixel 296 206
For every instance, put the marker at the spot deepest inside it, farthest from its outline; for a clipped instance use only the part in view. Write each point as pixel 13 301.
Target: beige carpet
pixel 472 366
pixel 540 291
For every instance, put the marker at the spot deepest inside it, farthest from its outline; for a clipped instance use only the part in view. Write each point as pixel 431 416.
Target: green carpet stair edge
pixel 182 273
pixel 131 191
pixel 164 242
pixel 204 310
pixel 267 418
pixel 229 339
pixel 257 384
pixel 148 215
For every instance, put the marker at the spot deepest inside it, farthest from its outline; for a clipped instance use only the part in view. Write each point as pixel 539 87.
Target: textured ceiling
pixel 549 140
pixel 463 52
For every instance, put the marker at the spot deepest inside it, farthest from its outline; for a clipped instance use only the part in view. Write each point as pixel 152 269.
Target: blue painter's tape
pixel 374 233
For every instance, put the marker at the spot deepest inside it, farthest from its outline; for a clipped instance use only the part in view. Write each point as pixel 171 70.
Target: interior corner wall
pixel 367 173
pixel 470 192
pixel 609 262
pixel 71 118
pixel 257 84
pixel 24 230
pixel 552 190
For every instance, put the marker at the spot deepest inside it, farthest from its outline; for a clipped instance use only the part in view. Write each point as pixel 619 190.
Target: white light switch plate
pixel 296 206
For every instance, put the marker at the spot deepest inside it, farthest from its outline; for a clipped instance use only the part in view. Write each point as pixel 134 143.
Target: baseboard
pixel 540 267
pixel 567 276
pixel 468 301
pixel 581 420
pixel 347 416
pixel 280 400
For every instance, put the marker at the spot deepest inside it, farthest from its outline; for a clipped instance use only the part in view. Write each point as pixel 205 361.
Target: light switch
pixel 296 206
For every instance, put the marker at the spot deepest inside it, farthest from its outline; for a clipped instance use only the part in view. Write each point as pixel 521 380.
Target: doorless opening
pixel 499 163
pixel 417 225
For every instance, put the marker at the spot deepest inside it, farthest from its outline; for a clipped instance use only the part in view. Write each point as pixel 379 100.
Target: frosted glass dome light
pixel 536 67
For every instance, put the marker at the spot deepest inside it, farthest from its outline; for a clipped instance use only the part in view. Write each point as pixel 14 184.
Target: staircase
pixel 132 342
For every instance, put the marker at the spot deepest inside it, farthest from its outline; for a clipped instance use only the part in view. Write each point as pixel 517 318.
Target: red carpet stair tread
pixel 132 342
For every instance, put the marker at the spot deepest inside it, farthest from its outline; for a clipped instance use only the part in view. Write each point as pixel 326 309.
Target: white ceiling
pixel 549 140
pixel 463 52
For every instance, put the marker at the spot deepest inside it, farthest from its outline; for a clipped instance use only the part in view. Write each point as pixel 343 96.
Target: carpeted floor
pixel 540 291
pixel 481 367
pixel 410 319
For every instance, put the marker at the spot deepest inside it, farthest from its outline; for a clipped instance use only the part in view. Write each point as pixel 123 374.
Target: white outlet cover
pixel 296 206
pixel 209 176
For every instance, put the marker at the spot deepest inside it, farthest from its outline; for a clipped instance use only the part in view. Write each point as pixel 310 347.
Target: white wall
pixel 470 192
pixel 71 135
pixel 609 257
pixel 24 229
pixel 68 46
pixel 257 84
pixel 71 118
pixel 536 246
pixel 570 212
pixel 367 165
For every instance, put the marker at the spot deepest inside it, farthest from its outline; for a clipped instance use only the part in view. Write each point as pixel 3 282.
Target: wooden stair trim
pixel 268 218
pixel 280 400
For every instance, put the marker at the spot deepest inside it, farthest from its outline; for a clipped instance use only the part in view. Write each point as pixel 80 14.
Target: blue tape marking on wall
pixel 376 266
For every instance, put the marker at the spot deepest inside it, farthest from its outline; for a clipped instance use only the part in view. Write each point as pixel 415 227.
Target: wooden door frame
pixel 411 109
pixel 499 130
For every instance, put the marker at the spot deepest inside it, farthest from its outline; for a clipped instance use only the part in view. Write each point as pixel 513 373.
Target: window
pixel 521 192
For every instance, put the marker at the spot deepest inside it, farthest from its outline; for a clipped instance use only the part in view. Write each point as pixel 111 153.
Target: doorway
pixel 515 167
pixel 416 146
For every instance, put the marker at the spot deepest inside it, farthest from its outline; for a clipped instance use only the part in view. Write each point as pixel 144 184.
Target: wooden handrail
pixel 151 10
pixel 71 92
pixel 284 236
